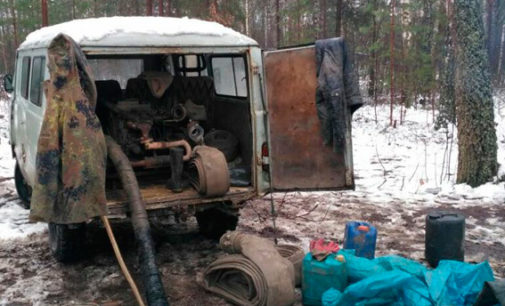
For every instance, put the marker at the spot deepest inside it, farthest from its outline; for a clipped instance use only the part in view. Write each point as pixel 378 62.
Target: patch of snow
pixel 415 162
pixel 13 218
pixel 14 222
pixel 152 31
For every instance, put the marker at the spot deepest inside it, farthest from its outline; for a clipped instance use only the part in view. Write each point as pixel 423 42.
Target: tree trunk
pixel 372 69
pixel 278 37
pixel 323 7
pixel 14 22
pixel 265 24
pixel 95 8
pixel 4 53
pixel 298 21
pixel 45 20
pixel 494 24
pixel 169 8
pixel 392 62
pixel 246 6
pixel 149 7
pixel 501 68
pixel 338 26
pixel 447 108
pixel 477 161
pixel 160 7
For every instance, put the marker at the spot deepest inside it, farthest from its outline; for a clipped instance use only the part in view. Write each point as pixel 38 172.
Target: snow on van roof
pixel 140 32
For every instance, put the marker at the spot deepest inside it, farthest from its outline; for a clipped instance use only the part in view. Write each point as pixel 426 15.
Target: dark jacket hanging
pixel 337 91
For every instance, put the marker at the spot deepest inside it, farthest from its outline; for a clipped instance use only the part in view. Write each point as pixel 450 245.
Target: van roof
pixel 140 32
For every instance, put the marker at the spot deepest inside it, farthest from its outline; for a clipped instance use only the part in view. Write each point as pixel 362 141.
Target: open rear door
pixel 298 158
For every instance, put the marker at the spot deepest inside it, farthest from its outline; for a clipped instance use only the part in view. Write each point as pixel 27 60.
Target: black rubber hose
pixel 153 286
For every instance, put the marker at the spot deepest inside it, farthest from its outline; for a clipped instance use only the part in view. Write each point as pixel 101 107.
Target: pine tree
pixel 477 161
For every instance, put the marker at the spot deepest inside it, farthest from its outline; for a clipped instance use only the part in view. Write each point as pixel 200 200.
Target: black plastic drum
pixel 445 237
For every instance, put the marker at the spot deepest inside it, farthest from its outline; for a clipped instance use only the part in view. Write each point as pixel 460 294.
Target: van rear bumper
pixel 160 197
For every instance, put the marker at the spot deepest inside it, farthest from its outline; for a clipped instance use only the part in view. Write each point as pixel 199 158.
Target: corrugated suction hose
pixel 153 286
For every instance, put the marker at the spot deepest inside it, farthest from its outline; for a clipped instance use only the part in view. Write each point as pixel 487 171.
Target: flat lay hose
pixel 210 176
pixel 253 274
pixel 121 262
pixel 153 286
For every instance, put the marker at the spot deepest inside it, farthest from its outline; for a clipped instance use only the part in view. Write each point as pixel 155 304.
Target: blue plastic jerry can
pixel 319 276
pixel 362 237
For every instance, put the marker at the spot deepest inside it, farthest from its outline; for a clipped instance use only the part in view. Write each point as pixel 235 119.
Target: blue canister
pixel 361 237
pixel 319 276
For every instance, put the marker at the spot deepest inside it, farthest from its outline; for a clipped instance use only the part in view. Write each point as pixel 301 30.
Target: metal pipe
pixel 161 145
pixel 152 162
pixel 153 286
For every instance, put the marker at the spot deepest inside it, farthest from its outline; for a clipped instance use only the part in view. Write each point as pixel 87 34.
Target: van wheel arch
pixel 23 189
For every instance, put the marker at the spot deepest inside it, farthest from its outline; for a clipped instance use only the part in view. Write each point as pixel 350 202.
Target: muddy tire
pixel 67 241
pixel 213 222
pixel 23 189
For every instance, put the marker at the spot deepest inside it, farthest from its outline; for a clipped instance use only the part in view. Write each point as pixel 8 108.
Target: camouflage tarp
pixel 71 153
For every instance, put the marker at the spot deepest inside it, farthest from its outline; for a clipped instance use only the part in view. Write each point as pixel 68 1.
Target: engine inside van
pixel 165 110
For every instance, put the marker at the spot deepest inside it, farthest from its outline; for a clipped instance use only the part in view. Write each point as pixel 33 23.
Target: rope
pixel 121 262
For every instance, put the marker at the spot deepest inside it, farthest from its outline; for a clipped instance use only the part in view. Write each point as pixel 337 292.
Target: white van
pixel 263 104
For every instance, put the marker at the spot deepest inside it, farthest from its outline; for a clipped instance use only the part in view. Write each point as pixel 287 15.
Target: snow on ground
pixel 414 161
pixel 13 218
pixel 399 179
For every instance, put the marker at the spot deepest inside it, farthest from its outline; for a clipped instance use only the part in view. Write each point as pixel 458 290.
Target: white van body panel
pixel 27 119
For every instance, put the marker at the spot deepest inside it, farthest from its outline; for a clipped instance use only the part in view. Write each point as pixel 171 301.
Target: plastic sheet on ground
pixel 394 280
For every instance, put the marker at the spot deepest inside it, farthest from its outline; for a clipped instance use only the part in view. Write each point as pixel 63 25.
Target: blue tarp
pixel 394 280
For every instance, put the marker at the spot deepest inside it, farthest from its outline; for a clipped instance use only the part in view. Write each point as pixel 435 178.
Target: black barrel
pixel 445 237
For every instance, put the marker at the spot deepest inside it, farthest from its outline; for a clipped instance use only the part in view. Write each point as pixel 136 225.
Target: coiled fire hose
pixel 153 286
pixel 210 172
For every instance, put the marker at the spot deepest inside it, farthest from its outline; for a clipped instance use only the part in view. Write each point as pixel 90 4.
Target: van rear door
pixel 298 158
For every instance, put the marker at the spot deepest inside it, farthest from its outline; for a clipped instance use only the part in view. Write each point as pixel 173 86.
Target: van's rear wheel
pixel 67 241
pixel 23 189
pixel 213 222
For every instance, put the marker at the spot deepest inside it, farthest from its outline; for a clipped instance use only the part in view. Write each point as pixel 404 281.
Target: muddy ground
pixel 30 276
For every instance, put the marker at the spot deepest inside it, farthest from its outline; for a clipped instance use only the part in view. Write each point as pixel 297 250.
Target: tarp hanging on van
pixel 71 152
pixel 337 89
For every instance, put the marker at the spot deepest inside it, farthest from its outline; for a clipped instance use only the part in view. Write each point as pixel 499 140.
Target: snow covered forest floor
pixel 401 174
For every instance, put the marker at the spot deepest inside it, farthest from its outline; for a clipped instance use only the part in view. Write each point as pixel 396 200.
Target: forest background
pixel 401 48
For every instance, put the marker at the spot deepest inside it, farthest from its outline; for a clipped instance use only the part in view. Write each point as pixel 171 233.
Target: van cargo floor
pixel 158 196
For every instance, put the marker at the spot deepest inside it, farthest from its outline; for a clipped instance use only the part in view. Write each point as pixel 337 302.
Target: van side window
pixel 25 72
pixel 37 79
pixel 230 78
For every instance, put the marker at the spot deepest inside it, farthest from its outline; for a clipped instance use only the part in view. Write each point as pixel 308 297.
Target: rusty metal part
pixel 212 177
pixel 143 127
pixel 161 145
pixel 152 162
pixel 195 132
pixel 179 112
pixel 298 157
